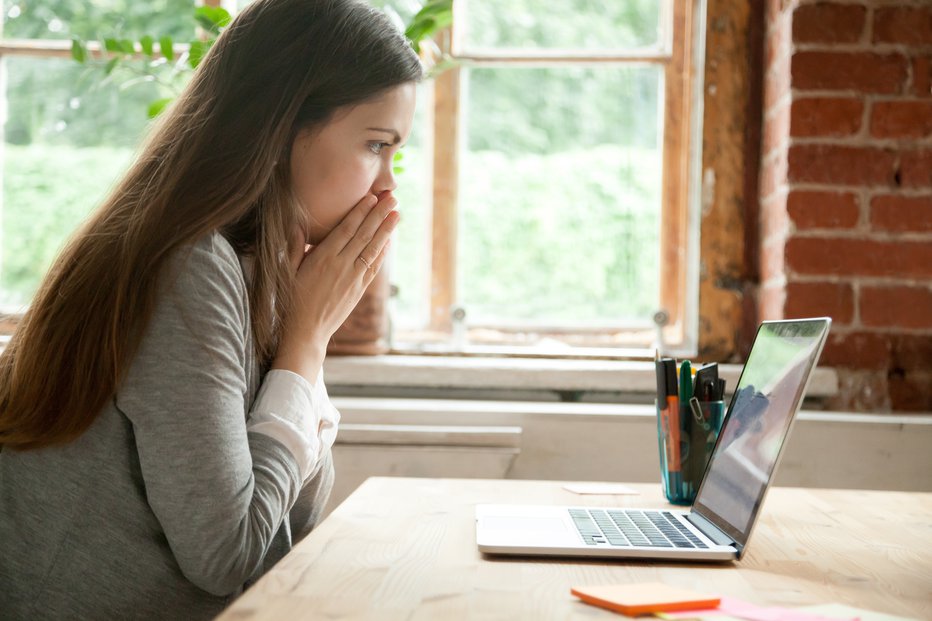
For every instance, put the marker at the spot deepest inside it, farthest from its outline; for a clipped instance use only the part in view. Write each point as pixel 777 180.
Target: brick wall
pixel 846 189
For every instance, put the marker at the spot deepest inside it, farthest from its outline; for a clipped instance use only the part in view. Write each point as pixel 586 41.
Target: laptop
pixel 718 526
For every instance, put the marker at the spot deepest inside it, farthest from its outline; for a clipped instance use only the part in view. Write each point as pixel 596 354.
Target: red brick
pixel 776 84
pixel 773 174
pixel 861 71
pixel 910 375
pixel 819 299
pixel 811 210
pixel 858 257
pixel 901 119
pixel 770 302
pixel 841 165
pixel 776 129
pixel 902 213
pixel 857 350
pixel 922 76
pixel 773 217
pixel 829 23
pixel 774 10
pixel 777 44
pixel 915 170
pixel 772 259
pixel 896 307
pixel 912 351
pixel 910 391
pixel 818 116
pixel 907 25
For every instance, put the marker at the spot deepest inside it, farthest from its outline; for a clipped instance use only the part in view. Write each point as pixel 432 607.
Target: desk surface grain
pixel 405 549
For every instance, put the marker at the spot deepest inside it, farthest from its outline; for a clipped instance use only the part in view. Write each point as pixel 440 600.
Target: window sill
pixel 441 373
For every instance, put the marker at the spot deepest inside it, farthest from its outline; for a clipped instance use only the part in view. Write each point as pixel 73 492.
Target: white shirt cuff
pixel 290 410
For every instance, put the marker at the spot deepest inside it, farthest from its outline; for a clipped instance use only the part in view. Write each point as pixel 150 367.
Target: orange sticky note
pixel 644 598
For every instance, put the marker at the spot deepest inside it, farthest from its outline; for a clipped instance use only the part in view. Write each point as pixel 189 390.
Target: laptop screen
pixel 763 406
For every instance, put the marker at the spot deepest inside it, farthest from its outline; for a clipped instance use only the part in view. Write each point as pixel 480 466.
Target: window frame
pixel 680 53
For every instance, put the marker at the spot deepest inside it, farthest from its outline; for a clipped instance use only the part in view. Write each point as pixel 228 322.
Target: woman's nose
pixel 385 180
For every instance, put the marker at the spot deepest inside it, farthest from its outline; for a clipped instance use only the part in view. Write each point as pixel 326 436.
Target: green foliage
pixel 47 192
pixel 433 16
pixel 592 24
pixel 78 51
pixel 197 51
pixel 166 48
pixel 156 107
pixel 212 19
pixel 146 42
pixel 560 189
pixel 567 236
pixel 92 20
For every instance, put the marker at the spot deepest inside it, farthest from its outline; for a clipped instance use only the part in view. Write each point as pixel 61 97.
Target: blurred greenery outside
pixel 560 179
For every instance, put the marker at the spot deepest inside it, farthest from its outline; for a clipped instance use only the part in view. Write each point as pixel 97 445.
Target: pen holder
pixel 685 443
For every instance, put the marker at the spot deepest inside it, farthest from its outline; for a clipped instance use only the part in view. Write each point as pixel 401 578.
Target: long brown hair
pixel 217 160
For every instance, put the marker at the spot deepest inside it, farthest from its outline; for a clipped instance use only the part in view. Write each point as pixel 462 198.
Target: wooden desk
pixel 405 549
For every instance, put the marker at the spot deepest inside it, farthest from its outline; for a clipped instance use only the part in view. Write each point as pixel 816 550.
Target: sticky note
pixel 644 597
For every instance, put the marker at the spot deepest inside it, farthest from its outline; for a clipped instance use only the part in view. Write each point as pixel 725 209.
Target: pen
pixel 686 382
pixel 663 414
pixel 673 408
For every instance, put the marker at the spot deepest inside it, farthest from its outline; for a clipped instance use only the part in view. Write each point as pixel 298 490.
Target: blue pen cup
pixel 685 440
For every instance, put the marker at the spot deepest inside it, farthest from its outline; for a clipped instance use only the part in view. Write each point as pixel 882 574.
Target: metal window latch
pixel 458 315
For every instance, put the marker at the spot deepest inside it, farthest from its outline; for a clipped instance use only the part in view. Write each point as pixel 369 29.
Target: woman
pixel 164 426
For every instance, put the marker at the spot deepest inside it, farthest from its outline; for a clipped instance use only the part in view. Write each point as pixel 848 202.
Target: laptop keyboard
pixel 629 528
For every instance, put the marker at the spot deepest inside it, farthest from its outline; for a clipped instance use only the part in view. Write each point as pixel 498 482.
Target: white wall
pixel 603 442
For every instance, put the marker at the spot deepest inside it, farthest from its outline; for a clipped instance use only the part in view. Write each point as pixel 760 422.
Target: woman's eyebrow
pixel 392 132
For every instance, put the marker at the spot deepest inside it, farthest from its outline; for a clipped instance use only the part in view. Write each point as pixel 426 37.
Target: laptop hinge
pixel 709 529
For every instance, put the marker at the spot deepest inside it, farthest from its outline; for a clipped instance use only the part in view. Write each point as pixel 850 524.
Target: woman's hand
pixel 331 278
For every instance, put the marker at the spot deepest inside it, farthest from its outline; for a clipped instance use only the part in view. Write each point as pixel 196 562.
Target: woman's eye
pixel 376 147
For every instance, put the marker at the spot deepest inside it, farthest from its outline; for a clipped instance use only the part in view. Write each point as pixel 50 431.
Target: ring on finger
pixel 364 262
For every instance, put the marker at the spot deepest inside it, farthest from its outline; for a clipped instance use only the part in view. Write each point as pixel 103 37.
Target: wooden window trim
pixel 677 238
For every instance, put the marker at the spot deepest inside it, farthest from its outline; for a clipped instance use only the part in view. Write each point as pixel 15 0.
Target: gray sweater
pixel 167 506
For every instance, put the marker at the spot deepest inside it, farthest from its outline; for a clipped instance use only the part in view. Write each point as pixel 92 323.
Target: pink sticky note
pixel 737 608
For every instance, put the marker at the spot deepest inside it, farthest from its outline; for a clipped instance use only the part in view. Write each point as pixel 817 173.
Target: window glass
pixel 96 19
pixel 587 24
pixel 560 195
pixel 409 263
pixel 66 142
pixel 69 133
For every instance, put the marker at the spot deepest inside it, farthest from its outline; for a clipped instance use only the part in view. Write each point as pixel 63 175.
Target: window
pixel 66 137
pixel 554 212
pixel 545 190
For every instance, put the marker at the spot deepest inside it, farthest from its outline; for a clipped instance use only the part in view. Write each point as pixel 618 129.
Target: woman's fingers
pixel 346 231
pixel 373 254
pixel 370 227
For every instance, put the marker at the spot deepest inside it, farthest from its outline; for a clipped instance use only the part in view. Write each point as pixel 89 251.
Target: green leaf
pixel 212 18
pixel 433 16
pixel 78 50
pixel 111 65
pixel 146 44
pixel 197 51
pixel 165 46
pixel 127 47
pixel 111 44
pixel 157 106
pixel 435 7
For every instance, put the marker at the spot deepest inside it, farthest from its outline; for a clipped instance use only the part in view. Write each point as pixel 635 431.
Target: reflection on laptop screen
pixel 762 408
